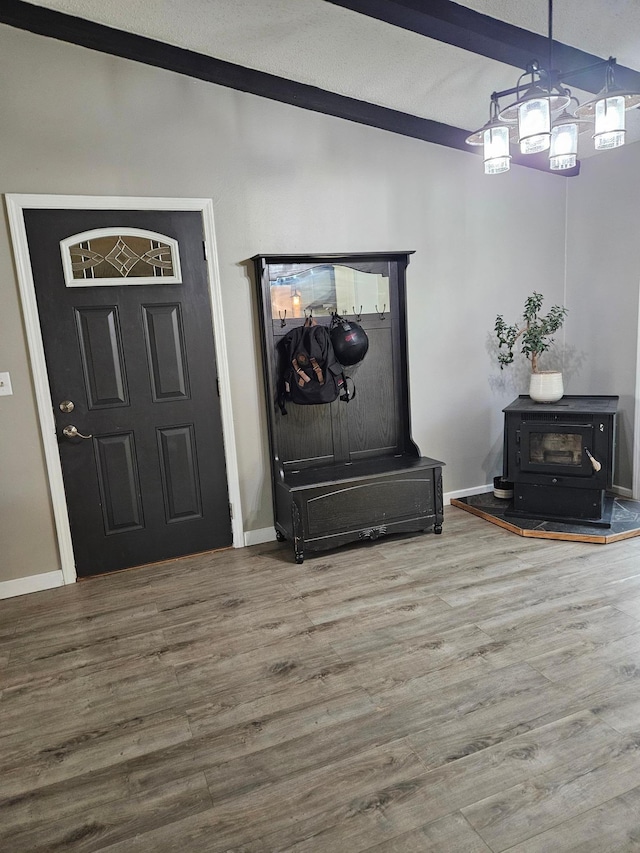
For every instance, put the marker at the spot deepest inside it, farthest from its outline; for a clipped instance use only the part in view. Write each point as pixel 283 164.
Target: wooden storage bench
pixel 345 471
pixel 319 508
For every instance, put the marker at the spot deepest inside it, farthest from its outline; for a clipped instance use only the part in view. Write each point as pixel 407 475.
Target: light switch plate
pixel 5 384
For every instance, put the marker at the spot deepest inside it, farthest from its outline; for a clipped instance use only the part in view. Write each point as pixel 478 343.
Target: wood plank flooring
pixel 475 692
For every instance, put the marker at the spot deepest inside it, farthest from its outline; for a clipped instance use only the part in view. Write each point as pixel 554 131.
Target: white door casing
pixel 635 482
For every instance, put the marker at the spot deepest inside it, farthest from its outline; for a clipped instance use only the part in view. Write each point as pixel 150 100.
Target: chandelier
pixel 546 116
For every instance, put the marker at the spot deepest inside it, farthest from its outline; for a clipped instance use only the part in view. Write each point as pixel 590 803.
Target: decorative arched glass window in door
pixel 120 256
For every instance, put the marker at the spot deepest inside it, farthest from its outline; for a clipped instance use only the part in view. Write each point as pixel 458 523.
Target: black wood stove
pixel 559 457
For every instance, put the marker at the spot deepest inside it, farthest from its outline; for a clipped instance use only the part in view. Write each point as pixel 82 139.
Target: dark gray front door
pixel 136 360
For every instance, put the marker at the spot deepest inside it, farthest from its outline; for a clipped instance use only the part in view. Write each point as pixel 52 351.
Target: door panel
pixel 101 356
pixel 165 349
pixel 138 363
pixel 180 481
pixel 119 483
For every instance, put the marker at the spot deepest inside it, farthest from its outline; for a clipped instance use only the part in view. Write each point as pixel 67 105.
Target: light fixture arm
pixel 494 108
pixel 610 63
pixel 533 68
pixel 553 81
pixel 550 40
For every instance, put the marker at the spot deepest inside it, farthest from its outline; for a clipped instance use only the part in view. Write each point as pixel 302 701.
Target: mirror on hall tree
pixel 326 289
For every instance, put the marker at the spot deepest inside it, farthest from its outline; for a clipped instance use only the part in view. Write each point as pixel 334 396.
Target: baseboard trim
pixel 623 491
pixel 259 537
pixel 464 493
pixel 32 583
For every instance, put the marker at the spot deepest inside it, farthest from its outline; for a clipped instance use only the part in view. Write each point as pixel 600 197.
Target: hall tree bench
pixel 343 472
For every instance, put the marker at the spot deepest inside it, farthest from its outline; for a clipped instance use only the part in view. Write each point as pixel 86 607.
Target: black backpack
pixel 309 372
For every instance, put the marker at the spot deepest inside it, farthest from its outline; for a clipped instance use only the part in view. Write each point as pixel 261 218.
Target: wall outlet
pixel 5 384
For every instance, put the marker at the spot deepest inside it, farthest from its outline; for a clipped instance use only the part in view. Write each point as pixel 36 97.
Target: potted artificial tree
pixel 534 334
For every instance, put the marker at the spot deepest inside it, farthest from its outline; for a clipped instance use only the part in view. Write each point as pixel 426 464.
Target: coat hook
pixel 381 314
pixel 357 314
pixel 283 320
pixel 308 316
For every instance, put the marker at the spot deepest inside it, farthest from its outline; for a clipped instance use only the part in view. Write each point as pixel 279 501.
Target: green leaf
pixel 534 332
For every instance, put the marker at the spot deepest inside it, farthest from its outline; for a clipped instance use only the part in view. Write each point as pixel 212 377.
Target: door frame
pixel 17 203
pixel 635 475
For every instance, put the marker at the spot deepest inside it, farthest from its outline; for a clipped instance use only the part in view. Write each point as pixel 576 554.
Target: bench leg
pixel 298 534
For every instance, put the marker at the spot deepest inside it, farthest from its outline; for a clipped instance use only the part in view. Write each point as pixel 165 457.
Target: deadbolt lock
pixel 67 406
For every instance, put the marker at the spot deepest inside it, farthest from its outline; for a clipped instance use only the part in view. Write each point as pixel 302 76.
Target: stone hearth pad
pixel 625 520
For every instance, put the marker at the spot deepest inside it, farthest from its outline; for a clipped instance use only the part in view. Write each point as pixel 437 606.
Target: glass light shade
pixel 564 146
pixel 496 150
pixel 534 125
pixel 610 123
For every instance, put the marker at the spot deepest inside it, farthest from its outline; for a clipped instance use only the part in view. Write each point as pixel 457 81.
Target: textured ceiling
pixel 603 27
pixel 348 53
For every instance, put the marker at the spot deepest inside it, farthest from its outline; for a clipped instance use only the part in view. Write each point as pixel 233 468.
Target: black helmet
pixel 350 341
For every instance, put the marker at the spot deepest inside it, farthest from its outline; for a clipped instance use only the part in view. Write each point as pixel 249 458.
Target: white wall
pixel 282 180
pixel 603 280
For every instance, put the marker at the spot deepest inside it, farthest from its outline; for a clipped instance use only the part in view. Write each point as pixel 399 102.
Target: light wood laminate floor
pixel 470 692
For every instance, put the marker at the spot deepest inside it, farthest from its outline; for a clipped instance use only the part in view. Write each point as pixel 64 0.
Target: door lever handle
pixel 72 432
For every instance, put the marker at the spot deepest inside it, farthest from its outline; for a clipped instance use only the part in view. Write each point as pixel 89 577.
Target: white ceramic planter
pixel 546 387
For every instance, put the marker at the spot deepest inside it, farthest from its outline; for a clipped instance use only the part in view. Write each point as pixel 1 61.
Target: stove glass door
pixel 556 448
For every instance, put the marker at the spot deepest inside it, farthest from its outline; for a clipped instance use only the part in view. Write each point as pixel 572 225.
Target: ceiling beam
pixel 57 25
pixel 67 28
pixel 472 31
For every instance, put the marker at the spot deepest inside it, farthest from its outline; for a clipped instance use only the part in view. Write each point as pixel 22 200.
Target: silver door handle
pixel 72 432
